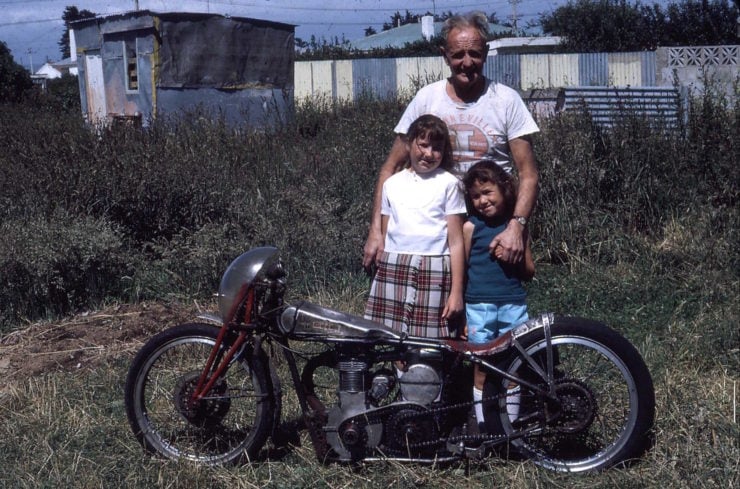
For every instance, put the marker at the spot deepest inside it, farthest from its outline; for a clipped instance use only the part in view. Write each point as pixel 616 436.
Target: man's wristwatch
pixel 521 220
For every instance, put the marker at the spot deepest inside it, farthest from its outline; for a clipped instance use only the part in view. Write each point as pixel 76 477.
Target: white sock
pixel 478 396
pixel 513 399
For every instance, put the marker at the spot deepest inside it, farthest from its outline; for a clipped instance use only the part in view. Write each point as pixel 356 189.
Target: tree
pixel 397 20
pixel 14 79
pixel 71 14
pixel 615 25
pixel 698 23
pixel 493 18
pixel 598 25
pixel 300 44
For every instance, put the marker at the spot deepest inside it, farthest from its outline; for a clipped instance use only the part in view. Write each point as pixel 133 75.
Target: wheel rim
pixel 590 372
pixel 219 429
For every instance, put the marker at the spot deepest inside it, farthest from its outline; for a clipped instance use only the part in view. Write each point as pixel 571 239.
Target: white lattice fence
pixel 703 56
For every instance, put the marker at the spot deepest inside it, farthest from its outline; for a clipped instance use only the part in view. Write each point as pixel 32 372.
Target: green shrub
pixel 57 265
pixel 187 194
pixel 600 189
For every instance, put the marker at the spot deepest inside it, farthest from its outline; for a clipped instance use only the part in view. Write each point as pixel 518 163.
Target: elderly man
pixel 486 120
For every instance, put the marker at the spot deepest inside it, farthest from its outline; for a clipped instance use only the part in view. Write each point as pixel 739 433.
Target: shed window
pixel 131 65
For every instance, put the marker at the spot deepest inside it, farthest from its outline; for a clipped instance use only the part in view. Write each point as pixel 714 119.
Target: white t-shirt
pixel 479 130
pixel 418 206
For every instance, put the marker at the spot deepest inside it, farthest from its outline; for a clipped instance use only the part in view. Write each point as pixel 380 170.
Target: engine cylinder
pixel 352 375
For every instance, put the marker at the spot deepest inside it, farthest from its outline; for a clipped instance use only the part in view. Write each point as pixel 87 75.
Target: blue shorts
pixel 487 321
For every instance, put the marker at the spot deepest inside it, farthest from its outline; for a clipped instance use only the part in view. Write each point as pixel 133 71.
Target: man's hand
pixel 509 245
pixel 511 241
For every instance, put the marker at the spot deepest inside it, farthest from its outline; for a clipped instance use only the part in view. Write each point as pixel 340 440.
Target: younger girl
pixel 495 300
pixel 418 286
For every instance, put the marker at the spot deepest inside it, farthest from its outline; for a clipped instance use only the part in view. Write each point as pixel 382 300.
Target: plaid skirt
pixel 409 293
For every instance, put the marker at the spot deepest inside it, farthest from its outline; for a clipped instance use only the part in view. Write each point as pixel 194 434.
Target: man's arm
pixel 512 239
pixel 395 161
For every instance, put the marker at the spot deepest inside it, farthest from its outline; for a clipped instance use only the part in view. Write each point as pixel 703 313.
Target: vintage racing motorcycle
pixel 208 392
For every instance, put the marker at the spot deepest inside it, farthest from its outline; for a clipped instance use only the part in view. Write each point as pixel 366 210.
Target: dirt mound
pixel 85 340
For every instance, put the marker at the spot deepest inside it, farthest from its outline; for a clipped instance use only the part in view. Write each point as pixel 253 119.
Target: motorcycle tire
pixel 229 425
pixel 605 404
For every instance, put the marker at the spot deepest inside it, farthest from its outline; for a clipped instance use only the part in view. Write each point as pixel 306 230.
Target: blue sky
pixel 32 28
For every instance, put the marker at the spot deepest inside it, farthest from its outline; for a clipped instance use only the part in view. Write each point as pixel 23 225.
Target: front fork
pixel 218 362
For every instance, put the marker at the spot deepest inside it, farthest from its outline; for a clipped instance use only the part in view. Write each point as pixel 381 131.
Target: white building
pixel 57 69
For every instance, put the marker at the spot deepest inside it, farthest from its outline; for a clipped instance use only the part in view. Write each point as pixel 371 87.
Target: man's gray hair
pixel 477 20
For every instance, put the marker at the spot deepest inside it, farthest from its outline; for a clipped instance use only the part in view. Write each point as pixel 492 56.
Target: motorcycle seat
pixel 498 345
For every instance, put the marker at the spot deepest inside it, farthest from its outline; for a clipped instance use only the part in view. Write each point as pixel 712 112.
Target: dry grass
pixel 634 228
pixel 67 428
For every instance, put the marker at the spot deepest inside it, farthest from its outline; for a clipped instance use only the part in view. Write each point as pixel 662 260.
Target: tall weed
pixel 188 194
pixel 635 226
pixel 59 264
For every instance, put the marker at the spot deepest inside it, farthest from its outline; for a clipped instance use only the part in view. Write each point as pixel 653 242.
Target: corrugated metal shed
pixel 144 64
pixel 625 69
pixel 609 105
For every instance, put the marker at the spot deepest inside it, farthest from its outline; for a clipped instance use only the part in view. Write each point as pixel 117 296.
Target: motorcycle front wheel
pixel 229 424
pixel 604 404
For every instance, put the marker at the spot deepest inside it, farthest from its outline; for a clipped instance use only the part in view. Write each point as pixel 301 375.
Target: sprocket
pixel 409 428
pixel 578 406
pixel 206 412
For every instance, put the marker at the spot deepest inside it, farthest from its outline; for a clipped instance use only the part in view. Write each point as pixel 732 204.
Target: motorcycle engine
pixel 362 414
pixel 348 435
pixel 421 384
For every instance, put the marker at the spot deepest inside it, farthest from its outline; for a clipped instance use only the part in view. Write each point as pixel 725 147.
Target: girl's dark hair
pixel 435 129
pixel 486 171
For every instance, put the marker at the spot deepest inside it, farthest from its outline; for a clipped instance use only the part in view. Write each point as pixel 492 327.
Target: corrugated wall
pixel 391 77
pixel 412 73
pixel 374 76
pixel 344 80
pixel 549 70
pixel 609 105
pixel 649 69
pixel 625 69
pixel 504 68
pixel 593 69
pixel 564 70
pixel 313 79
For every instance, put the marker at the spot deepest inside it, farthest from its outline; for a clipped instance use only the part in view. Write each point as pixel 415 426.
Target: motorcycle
pixel 570 394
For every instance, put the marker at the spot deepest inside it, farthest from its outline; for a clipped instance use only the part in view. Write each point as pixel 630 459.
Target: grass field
pixel 106 238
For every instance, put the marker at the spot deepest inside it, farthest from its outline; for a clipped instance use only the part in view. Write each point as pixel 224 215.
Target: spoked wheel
pixel 230 423
pixel 603 406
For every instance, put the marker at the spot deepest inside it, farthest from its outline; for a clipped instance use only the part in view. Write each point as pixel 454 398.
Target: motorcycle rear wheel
pixel 232 422
pixel 606 402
